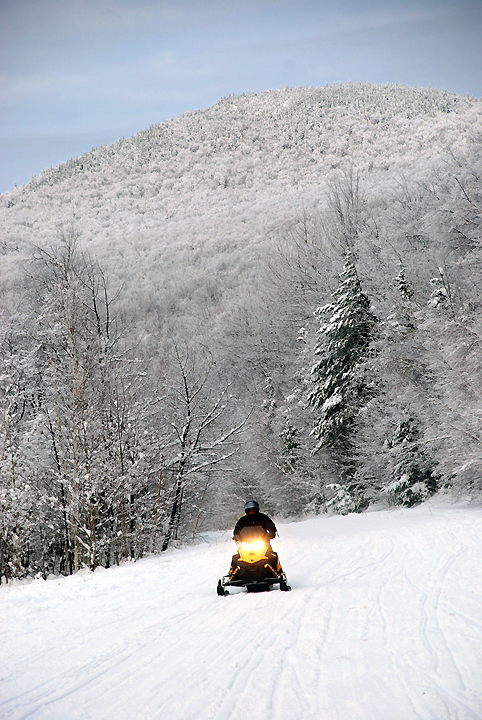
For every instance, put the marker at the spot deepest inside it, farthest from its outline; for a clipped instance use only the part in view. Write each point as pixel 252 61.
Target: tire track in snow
pixel 269 663
pixel 438 667
pixel 442 664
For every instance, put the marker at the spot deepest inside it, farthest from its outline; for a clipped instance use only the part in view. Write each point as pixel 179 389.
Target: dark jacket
pixel 259 519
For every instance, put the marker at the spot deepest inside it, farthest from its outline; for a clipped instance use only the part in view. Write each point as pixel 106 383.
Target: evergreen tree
pixel 414 477
pixel 339 386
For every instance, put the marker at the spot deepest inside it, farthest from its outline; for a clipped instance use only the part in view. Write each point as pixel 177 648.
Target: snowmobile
pixel 256 566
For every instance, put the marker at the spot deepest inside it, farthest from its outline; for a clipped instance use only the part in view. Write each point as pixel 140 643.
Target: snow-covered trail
pixel 384 623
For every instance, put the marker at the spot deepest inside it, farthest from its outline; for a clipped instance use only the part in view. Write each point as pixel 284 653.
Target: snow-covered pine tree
pixel 339 386
pixel 414 477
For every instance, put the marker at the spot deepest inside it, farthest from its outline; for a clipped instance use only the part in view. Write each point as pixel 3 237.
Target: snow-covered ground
pixel 384 623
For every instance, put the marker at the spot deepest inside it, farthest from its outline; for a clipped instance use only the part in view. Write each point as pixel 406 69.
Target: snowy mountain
pixel 277 297
pixel 205 189
pixel 189 207
pixel 384 621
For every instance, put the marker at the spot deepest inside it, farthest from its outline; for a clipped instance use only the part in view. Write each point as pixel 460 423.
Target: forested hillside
pixel 278 297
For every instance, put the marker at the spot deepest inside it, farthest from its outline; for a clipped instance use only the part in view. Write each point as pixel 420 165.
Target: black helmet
pixel 251 505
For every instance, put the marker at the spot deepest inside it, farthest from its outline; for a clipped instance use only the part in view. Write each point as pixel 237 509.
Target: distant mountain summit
pixel 321 121
pixel 218 179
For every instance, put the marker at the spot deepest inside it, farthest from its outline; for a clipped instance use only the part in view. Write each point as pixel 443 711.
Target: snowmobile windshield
pixel 251 534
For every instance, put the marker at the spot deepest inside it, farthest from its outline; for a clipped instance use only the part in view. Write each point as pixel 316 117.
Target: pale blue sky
pixel 78 73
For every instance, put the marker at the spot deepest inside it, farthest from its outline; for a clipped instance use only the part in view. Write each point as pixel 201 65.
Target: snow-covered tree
pixel 73 410
pixel 339 385
pixel 196 441
pixel 414 476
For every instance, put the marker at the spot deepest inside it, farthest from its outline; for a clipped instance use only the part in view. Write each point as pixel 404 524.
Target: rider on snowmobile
pixel 254 518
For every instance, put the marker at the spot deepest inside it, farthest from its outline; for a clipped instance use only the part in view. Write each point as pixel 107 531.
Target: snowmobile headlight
pixel 246 546
pixel 258 545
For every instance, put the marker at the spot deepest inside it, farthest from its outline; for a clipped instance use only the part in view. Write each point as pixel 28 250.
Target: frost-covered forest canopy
pixel 278 297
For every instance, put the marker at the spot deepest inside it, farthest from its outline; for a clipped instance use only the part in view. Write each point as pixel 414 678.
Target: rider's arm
pixel 237 529
pixel 270 528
